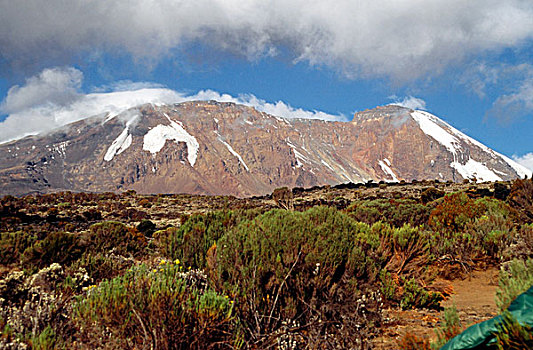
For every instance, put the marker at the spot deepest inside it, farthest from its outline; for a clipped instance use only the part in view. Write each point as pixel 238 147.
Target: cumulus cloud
pixel 52 86
pixel 53 98
pixel 400 39
pixel 410 102
pixel 525 160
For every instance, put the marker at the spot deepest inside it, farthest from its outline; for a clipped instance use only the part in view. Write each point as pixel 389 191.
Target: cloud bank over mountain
pixel 53 98
pixel 400 39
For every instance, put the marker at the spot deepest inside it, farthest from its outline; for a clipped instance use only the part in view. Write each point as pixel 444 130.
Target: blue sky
pixel 468 62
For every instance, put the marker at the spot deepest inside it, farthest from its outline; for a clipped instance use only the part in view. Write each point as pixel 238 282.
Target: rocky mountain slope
pixel 224 148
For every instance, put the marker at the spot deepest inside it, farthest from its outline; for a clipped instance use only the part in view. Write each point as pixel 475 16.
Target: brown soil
pixel 474 298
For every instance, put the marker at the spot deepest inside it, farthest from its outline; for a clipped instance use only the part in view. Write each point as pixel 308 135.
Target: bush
pixel 410 248
pixel 109 235
pixel 515 279
pixel 490 236
pixel 389 287
pixel 396 212
pixel 452 214
pixel 449 327
pixel 522 245
pixel 13 244
pixel 521 199
pixel 415 296
pixel 155 307
pixel 100 266
pixel 410 341
pixel 46 340
pixel 468 230
pixel 146 227
pixel 512 335
pixel 430 194
pixel 285 266
pixel 58 247
pixel 191 241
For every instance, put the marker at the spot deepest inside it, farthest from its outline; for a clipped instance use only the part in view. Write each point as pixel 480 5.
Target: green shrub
pixel 514 280
pixel 469 230
pixel 396 212
pixel 410 248
pixel 191 241
pixel 58 247
pixel 286 265
pixel 13 244
pixel 512 335
pixel 6 332
pixel 522 246
pixel 158 307
pixel 100 266
pixel 389 287
pixel 493 207
pixel 449 327
pixel 491 235
pixel 104 236
pixel 46 340
pixel 415 296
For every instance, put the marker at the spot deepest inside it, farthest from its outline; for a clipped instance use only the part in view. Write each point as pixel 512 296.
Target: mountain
pixel 226 148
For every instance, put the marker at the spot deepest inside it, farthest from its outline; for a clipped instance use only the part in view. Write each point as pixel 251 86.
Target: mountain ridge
pixel 211 147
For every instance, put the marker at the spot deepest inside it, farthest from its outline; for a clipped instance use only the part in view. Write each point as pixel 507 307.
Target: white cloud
pixel 279 108
pixel 52 86
pixel 30 113
pixel 525 160
pixel 411 102
pixel 401 39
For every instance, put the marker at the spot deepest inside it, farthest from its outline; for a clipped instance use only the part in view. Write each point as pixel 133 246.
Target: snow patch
pixel 123 141
pixel 475 169
pixel 300 158
pixel 232 151
pixel 155 139
pixel 119 145
pixel 60 148
pixel 500 172
pixel 428 124
pixel 388 170
pixel 327 165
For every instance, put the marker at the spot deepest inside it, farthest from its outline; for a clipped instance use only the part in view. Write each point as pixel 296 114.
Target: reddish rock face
pixel 224 148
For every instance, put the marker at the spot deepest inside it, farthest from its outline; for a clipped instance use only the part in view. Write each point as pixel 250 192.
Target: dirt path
pixel 474 298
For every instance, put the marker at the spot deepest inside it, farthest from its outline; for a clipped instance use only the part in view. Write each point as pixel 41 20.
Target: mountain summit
pixel 226 148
